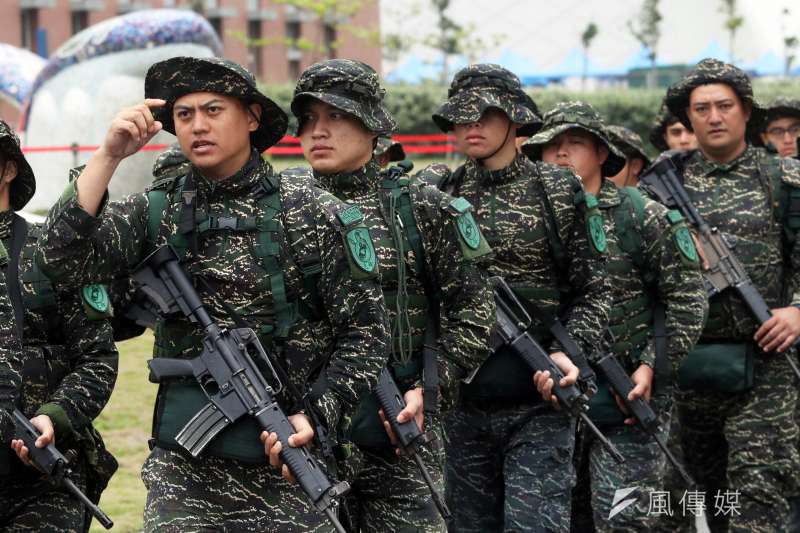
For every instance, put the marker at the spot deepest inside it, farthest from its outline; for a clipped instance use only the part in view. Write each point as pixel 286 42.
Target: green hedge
pixel 412 105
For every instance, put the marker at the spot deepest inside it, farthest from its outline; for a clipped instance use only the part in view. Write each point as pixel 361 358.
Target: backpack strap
pixel 19 234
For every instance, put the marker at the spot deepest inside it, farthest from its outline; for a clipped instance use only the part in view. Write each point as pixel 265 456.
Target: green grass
pixel 125 426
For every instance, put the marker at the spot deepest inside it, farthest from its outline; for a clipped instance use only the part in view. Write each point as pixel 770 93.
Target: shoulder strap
pixel 19 234
pixel 629 221
pixel 557 246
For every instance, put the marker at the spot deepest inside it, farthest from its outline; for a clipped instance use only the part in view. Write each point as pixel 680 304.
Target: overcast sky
pixel 545 32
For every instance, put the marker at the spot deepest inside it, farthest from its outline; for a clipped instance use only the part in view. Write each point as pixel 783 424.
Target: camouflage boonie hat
pixel 172 162
pixel 710 71
pixel 569 115
pixel 179 76
pixel 352 86
pixel 394 148
pixel 628 142
pixel 478 87
pixel 658 130
pixel 782 107
pixel 24 185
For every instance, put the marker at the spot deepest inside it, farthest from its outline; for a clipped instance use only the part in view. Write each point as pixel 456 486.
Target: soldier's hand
pixel 779 332
pixel 544 383
pixel 132 128
pixel 304 434
pixel 700 252
pixel 414 409
pixel 643 388
pixel 48 436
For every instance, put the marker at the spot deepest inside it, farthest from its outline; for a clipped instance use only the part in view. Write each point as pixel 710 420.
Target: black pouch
pixel 718 367
pixel 603 409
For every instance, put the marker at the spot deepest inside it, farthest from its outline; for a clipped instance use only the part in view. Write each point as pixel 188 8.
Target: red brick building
pixel 43 25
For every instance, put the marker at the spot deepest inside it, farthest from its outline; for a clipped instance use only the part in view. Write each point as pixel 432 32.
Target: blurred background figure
pixel 636 160
pixel 782 126
pixel 668 133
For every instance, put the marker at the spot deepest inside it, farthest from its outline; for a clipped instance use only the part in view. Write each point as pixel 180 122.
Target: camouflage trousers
pixel 225 495
pixel 31 503
pixel 742 449
pixel 599 476
pixel 509 467
pixel 675 485
pixel 388 493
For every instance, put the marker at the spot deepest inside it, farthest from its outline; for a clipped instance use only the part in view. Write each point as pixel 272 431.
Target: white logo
pixel 621 500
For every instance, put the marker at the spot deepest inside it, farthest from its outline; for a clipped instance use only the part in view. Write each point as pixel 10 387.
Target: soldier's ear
pixel 254 116
pixel 602 152
pixel 9 171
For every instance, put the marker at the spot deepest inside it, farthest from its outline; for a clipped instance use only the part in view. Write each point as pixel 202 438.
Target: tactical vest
pixel 179 400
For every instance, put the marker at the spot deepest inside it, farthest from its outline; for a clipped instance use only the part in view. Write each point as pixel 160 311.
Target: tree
pixel 733 21
pixel 790 44
pixel 648 33
pixel 587 37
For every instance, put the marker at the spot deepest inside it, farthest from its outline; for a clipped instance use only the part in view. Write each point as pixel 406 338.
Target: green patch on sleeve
pixel 361 253
pixel 351 215
pixel 96 302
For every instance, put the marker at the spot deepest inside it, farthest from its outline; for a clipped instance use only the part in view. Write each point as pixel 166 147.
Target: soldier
pixel 509 452
pixel 651 262
pixel 388 150
pixel 267 252
pixel 751 196
pixel 427 254
pixel 782 126
pixel 69 366
pixel 668 133
pixel 636 160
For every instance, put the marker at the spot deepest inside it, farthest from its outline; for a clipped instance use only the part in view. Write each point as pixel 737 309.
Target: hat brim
pixel 613 164
pixel 376 117
pixel 179 76
pixel 467 107
pixel 24 185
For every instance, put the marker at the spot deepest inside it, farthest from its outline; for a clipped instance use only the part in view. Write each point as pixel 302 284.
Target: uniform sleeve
pixel 466 302
pixel 10 361
pixel 84 391
pixel 586 316
pixel 359 323
pixel 791 181
pixel 670 261
pixel 78 249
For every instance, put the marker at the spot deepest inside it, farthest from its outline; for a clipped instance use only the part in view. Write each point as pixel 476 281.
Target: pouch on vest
pixel 366 430
pixel 238 441
pixel 718 367
pixel 504 376
pixel 603 409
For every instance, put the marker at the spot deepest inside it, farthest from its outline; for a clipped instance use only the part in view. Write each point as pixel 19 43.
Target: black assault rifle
pixel 725 271
pixel 639 408
pixel 228 375
pixel 408 434
pixel 54 465
pixel 511 330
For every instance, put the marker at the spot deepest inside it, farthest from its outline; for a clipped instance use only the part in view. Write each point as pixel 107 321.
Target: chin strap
pixel 500 146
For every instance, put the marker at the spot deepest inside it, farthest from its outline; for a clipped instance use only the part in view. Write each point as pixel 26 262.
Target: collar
pixel 608 195
pixel 351 184
pixel 6 219
pixel 708 167
pixel 241 183
pixel 517 169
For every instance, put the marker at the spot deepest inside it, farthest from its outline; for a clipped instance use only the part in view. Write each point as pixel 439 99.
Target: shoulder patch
pixel 460 205
pixel 96 302
pixel 682 237
pixel 362 251
pixel 594 224
pixel 351 215
pixel 470 238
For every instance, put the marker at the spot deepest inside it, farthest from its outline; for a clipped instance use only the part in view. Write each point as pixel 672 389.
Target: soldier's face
pixel 579 150
pixel 214 131
pixel 783 133
pixel 478 140
pixel 333 141
pixel 719 120
pixel 678 137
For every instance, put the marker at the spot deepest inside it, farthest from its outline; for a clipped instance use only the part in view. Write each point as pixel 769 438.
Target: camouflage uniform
pixel 651 257
pixel 509 454
pixel 628 142
pixel 664 120
pixel 69 366
pixel 386 145
pixel 272 249
pixel 389 493
pixel 748 199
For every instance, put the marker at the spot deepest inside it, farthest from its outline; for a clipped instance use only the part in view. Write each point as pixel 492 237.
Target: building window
pixel 329 32
pixel 294 69
pixel 293 30
pixel 29 18
pixel 254 52
pixel 80 21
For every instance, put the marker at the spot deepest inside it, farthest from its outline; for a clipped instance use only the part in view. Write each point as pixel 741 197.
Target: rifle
pixel 54 465
pixel 408 434
pixel 622 385
pixel 230 378
pixel 510 331
pixel 726 271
